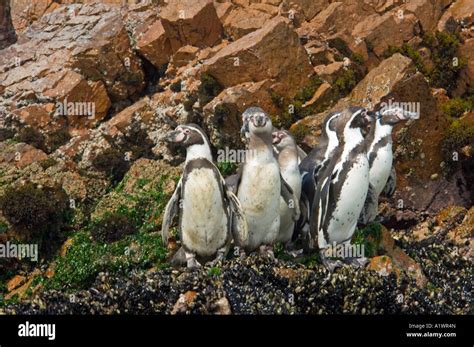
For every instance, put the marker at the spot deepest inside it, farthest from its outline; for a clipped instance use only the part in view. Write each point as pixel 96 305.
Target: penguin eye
pixel 187 131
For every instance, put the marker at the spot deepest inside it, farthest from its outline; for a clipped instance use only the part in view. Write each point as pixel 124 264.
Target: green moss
pixel 299 131
pixel 454 108
pixel 208 89
pixel 189 102
pixel 456 137
pixel 369 237
pixel 47 163
pixel 214 272
pixel 112 227
pixel 112 163
pixel 86 258
pixel 345 82
pixel 226 168
pixel 222 112
pixel 293 110
pixel 32 137
pixel 411 53
pixel 56 139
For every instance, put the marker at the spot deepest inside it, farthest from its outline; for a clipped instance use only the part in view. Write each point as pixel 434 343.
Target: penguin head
pixel 394 115
pixel 187 135
pixel 258 121
pixel 282 139
pixel 359 119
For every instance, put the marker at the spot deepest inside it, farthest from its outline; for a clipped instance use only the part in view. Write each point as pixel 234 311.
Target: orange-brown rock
pixel 459 15
pixel 465 82
pixel 223 114
pixel 7 32
pixel 78 56
pixel 155 45
pixel 191 22
pixel 184 302
pixel 272 52
pixel 20 154
pixel 242 21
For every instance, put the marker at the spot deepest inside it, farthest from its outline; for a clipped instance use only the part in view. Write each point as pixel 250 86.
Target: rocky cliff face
pixel 90 87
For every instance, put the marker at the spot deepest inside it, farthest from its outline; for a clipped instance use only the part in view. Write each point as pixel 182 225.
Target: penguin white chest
pixel 204 221
pixel 259 193
pixel 381 167
pixel 350 200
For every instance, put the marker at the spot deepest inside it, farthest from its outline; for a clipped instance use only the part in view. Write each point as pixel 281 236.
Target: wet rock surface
pixel 260 285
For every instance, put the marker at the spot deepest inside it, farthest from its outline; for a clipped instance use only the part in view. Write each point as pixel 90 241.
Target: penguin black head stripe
pixel 187 135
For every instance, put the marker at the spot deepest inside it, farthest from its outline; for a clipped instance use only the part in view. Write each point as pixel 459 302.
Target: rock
pixel 242 21
pixel 401 259
pixel 463 234
pixel 184 302
pixel 191 22
pixel 184 55
pixel 383 265
pixel 272 52
pixel 15 282
pixel 459 15
pixel 330 72
pixel 155 45
pixel 223 114
pixel 7 32
pixel 21 154
pixel 465 81
pixel 322 95
pixel 222 307
pixel 76 56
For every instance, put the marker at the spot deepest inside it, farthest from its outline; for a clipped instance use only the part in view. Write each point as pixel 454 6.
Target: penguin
pixel 244 132
pixel 288 162
pixel 342 183
pixel 259 184
pixel 209 214
pixel 382 173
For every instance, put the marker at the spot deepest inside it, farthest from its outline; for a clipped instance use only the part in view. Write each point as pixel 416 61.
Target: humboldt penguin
pixel 342 183
pixel 260 184
pixel 382 173
pixel 288 162
pixel 208 212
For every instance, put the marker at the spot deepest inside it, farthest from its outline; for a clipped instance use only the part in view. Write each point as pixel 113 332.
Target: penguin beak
pixel 245 129
pixel 275 138
pixel 176 136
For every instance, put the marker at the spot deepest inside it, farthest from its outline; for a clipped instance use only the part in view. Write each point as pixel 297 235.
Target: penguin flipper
pixel 370 209
pixel 391 184
pixel 239 226
pixel 232 182
pixel 171 211
pixel 321 203
pixel 290 199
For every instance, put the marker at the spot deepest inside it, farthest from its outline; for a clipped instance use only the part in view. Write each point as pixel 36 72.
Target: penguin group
pixel 280 194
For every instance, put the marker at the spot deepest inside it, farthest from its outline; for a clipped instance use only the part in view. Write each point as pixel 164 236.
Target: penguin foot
pixel 330 264
pixel 358 262
pixel 191 261
pixel 267 251
pixel 219 261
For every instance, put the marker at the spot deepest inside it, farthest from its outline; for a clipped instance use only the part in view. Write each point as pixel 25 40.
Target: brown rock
pixel 21 154
pixel 7 32
pixel 223 114
pixel 80 54
pixel 222 307
pixel 242 21
pixel 400 259
pixel 383 265
pixel 459 15
pixel 465 82
pixel 15 282
pixel 272 52
pixel 184 302
pixel 155 45
pixel 191 22
pixel 462 236
pixel 184 55
pixel 330 72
